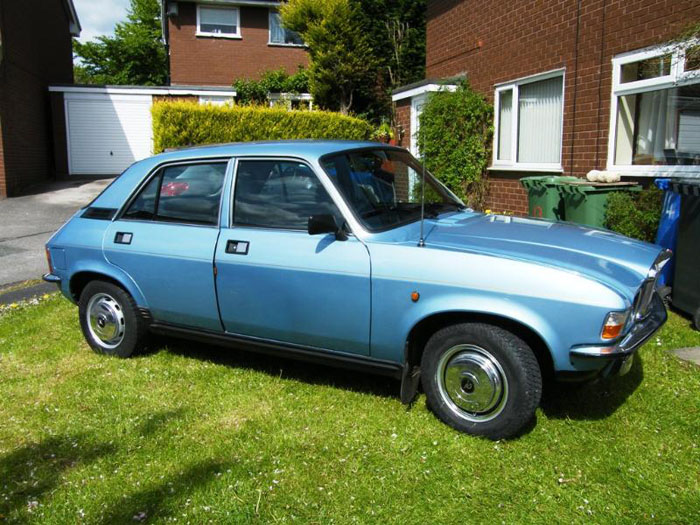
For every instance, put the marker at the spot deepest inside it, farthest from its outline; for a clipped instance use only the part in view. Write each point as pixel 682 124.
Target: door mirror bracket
pixel 326 223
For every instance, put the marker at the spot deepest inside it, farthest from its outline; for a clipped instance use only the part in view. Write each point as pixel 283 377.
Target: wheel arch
pixel 426 327
pixel 81 278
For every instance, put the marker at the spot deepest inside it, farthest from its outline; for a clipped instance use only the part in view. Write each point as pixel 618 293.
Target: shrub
pixel 455 140
pixel 635 215
pixel 278 81
pixel 177 124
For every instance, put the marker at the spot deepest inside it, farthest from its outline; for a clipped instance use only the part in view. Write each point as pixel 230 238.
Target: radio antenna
pixel 421 241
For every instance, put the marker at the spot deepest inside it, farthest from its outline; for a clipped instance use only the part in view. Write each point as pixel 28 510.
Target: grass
pixel 198 434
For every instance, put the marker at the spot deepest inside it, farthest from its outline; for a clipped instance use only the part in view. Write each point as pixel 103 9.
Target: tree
pixel 134 55
pixel 342 58
pixel 360 50
pixel 398 36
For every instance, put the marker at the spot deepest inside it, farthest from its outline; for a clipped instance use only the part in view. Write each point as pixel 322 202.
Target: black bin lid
pixel 686 187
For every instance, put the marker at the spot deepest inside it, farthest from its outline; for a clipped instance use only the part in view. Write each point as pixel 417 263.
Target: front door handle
pixel 237 247
pixel 123 237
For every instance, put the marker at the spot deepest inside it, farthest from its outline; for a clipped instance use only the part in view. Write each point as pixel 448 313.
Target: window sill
pixel 218 35
pixel 656 171
pixel 534 168
pixel 278 44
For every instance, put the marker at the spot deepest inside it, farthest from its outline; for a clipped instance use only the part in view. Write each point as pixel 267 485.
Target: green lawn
pixel 199 434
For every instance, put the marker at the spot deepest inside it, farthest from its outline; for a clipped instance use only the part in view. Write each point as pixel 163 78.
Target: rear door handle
pixel 237 247
pixel 123 237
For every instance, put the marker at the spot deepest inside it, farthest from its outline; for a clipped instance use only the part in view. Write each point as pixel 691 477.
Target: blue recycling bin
pixel 667 235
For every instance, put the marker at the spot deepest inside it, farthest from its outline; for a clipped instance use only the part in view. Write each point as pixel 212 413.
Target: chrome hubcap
pixel 106 320
pixel 472 383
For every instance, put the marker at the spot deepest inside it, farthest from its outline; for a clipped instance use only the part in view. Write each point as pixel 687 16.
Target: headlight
pixel 614 323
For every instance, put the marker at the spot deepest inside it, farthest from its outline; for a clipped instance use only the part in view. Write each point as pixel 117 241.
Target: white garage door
pixel 106 133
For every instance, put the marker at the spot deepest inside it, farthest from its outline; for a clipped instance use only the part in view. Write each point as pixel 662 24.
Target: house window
pixel 655 113
pixel 216 100
pixel 281 36
pixel 220 22
pixel 529 123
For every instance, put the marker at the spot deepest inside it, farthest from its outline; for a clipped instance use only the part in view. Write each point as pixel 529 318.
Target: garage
pixel 107 133
pixel 102 130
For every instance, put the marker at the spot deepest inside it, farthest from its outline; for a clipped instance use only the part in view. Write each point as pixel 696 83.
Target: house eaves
pixel 425 86
pixel 73 21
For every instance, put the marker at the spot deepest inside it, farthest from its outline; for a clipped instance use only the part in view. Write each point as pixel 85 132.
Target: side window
pixel 189 194
pixel 279 194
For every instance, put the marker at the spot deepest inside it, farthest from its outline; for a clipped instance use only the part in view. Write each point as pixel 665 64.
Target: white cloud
pixel 98 17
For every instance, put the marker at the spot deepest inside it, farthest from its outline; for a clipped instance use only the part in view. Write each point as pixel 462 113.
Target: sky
pixel 97 17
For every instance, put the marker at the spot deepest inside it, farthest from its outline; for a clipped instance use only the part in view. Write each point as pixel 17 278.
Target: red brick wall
pixel 197 60
pixel 36 51
pixel 500 40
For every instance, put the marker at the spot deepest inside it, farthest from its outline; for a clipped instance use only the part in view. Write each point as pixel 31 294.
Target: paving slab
pixel 27 222
pixel 691 354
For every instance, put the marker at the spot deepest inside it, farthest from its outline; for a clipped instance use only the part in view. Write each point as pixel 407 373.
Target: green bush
pixel 455 140
pixel 177 124
pixel 278 81
pixel 635 215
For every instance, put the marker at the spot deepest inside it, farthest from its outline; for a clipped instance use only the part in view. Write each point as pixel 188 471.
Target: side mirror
pixel 325 223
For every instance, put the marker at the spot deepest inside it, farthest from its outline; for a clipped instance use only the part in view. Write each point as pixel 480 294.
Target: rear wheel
pixel 481 379
pixel 109 320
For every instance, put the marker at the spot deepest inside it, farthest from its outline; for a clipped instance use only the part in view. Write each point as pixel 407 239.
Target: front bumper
pixel 641 331
pixel 52 278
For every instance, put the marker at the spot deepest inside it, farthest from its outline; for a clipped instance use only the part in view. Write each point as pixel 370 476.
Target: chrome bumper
pixel 51 278
pixel 640 332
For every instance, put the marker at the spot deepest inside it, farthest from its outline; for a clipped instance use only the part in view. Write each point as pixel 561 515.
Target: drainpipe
pixel 573 123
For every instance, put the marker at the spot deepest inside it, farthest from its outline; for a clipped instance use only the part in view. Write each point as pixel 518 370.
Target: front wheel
pixel 109 320
pixel 481 379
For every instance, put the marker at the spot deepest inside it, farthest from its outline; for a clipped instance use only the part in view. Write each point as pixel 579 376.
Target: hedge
pixel 635 214
pixel 177 124
pixel 455 141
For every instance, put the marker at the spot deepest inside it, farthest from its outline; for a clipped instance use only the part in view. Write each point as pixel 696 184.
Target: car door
pixel 165 240
pixel 277 282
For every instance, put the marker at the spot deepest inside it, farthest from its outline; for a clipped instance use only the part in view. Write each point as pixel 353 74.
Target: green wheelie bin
pixel 585 202
pixel 544 200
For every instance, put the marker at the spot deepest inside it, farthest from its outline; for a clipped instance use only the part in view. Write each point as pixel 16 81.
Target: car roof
pixel 309 149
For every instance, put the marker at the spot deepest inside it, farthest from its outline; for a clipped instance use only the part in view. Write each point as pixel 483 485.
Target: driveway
pixel 27 222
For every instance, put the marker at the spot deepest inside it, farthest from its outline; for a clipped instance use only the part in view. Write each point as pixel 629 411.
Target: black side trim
pixel 145 314
pixel 105 214
pixel 275 348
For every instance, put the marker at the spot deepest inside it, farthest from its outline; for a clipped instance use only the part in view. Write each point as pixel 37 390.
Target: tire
pixel 481 379
pixel 696 319
pixel 116 328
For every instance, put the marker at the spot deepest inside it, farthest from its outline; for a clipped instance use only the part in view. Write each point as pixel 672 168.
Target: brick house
pixel 575 85
pixel 214 42
pixel 29 61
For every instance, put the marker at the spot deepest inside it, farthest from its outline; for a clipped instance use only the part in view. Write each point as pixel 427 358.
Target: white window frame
pixel 677 77
pixel 417 103
pixel 276 98
pixel 271 14
pixel 513 164
pixel 236 35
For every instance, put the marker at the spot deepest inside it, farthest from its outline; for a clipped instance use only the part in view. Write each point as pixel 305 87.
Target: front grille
pixel 642 301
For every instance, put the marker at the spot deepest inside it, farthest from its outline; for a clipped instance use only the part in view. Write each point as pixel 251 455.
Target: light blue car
pixel 316 250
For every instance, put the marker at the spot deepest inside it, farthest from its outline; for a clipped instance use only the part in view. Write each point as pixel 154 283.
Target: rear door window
pixel 188 193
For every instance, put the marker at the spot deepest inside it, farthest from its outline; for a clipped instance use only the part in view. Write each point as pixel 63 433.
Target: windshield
pixel 383 187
